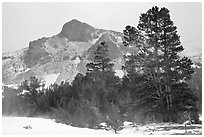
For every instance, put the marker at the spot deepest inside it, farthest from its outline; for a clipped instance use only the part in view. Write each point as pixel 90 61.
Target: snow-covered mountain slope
pixel 58 54
pixel 13 65
pixel 50 79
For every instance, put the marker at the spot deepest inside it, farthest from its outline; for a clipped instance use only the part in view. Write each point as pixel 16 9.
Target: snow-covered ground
pixel 33 126
pixel 119 73
pixel 36 126
pixel 195 66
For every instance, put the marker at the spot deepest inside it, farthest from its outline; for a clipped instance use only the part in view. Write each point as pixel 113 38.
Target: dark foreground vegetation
pixel 154 88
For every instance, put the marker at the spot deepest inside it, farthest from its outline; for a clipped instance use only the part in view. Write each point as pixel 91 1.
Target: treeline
pixel 154 88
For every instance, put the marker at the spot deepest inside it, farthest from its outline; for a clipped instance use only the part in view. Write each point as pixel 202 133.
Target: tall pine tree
pixel 159 58
pixel 105 86
pixel 34 86
pixel 101 61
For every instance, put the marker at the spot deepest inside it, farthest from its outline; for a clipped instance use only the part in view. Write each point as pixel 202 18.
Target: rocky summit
pixel 62 56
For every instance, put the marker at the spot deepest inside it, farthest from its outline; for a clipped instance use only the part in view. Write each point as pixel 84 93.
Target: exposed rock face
pixel 77 31
pixel 110 40
pixel 65 54
pixel 35 52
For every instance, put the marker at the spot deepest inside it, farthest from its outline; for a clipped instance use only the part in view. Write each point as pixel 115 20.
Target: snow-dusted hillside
pixel 58 54
pixel 33 126
pixel 50 79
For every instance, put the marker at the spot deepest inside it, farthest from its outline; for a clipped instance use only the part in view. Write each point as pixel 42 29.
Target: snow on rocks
pixel 195 66
pixel 200 117
pixel 119 73
pixel 50 79
pixel 14 86
pixel 24 91
pixel 77 60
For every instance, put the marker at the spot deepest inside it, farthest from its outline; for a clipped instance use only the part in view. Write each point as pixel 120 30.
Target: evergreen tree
pixel 100 72
pixel 104 83
pixel 159 59
pixel 33 85
pixel 113 117
pixel 101 61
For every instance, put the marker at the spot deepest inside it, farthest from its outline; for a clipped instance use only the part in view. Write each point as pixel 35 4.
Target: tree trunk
pixel 168 102
pixel 36 106
pixel 115 131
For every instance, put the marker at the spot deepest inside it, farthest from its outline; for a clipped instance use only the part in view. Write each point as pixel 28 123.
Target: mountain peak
pixel 75 30
pixel 74 21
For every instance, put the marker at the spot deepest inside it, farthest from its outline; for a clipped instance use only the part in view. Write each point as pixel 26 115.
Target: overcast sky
pixel 24 22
